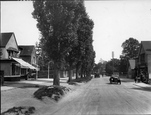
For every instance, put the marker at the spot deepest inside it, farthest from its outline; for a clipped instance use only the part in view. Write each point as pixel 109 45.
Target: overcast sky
pixel 114 22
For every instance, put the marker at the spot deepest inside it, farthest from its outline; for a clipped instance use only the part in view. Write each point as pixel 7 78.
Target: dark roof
pixel 147 46
pixel 5 38
pixel 26 50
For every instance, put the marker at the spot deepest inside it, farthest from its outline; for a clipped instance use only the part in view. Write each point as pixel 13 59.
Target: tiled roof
pixel 5 38
pixel 147 46
pixel 26 50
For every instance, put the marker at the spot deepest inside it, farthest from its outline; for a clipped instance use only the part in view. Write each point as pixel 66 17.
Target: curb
pixel 5 88
pixel 142 85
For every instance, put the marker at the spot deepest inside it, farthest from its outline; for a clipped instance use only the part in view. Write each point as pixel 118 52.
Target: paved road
pixel 99 97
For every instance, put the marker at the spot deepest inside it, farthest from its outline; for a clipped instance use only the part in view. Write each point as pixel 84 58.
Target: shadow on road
pixel 30 83
pixel 51 81
pixel 126 80
pixel 23 85
pixel 79 80
pixel 112 84
pixel 143 88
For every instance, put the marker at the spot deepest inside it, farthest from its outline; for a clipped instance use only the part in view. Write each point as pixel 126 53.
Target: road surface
pixel 99 97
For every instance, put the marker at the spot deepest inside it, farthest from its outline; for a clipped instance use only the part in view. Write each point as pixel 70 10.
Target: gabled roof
pixel 5 38
pixel 26 50
pixel 147 46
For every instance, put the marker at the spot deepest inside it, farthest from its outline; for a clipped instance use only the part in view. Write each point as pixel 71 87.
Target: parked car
pixel 108 74
pixel 33 75
pixel 115 80
pixel 97 75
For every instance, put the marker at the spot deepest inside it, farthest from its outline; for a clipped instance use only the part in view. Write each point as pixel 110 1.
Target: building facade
pixel 10 62
pixel 8 49
pixel 144 59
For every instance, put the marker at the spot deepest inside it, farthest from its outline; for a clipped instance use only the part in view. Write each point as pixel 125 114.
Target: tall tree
pixel 57 22
pixel 71 58
pixel 112 66
pixel 130 51
pixel 130 48
pixel 123 65
pixel 86 53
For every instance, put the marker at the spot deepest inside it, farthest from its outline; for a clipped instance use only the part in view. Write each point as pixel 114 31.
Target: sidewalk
pixel 9 85
pixel 5 88
pixel 143 85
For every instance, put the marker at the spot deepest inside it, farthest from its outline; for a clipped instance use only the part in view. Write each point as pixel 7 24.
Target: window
pixel 15 69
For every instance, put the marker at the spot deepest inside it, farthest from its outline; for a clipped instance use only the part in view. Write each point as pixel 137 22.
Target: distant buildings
pixel 141 66
pixel 13 59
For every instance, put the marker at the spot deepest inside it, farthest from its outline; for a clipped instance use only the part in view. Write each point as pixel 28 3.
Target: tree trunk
pixel 56 79
pixel 77 73
pixel 81 73
pixel 88 74
pixel 69 75
pixel 84 74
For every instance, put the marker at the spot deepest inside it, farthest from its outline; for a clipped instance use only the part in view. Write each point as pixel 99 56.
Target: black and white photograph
pixel 75 57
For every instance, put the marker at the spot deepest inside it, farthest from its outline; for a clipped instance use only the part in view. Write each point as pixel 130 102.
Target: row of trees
pixel 66 36
pixel 130 51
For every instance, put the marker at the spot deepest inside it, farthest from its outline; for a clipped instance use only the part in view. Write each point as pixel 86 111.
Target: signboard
pixel 132 63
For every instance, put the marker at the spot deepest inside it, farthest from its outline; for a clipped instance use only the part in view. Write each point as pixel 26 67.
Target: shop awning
pixel 24 64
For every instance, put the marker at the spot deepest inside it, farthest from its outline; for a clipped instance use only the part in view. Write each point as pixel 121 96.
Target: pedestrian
pixel 135 79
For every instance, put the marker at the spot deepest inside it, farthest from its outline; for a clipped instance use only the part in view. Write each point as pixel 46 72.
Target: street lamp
pixel 113 60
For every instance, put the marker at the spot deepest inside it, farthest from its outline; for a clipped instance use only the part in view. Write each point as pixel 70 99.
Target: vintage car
pixel 115 79
pixel 96 75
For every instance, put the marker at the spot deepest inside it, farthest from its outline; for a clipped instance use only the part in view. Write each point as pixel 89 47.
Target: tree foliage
pixel 100 67
pixel 86 53
pixel 130 51
pixel 130 48
pixel 113 66
pixel 66 32
pixel 123 65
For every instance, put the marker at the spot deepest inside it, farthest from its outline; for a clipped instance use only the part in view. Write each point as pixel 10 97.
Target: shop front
pixel 143 72
pixel 15 68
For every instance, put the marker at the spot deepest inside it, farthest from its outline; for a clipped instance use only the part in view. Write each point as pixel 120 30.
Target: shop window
pixel 15 69
pixel 23 71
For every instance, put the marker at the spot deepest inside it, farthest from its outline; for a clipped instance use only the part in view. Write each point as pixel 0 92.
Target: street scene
pixel 96 97
pixel 75 57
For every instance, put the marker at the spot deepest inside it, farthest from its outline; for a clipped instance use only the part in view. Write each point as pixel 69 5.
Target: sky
pixel 114 22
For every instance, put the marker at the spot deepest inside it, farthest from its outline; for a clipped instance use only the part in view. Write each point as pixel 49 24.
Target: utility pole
pixel 113 60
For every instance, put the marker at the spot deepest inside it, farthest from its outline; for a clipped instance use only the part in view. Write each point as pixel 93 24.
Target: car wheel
pixel 120 82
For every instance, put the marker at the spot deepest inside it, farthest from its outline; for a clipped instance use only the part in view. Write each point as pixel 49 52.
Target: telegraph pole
pixel 113 60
